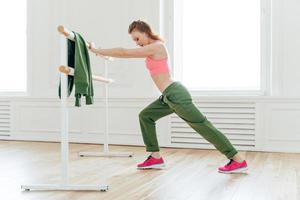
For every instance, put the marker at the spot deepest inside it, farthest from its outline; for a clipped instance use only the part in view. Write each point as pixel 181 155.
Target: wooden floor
pixel 190 174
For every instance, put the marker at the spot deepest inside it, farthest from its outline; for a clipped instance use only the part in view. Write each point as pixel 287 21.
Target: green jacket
pixel 78 58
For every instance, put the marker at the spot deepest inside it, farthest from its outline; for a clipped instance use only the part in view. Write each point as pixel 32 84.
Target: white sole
pixel 158 166
pixel 236 171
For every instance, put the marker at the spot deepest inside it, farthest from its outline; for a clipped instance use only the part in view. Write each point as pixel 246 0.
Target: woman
pixel 175 98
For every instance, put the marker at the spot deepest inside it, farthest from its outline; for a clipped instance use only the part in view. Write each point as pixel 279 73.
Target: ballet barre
pixel 65 184
pixel 64 72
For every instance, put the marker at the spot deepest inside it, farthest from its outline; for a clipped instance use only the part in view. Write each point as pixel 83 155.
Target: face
pixel 141 39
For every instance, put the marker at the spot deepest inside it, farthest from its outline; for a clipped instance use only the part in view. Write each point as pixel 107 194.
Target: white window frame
pixel 27 92
pixel 171 18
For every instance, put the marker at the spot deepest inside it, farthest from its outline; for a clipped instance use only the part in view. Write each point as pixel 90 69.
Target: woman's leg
pixel 179 99
pixel 190 113
pixel 237 158
pixel 147 118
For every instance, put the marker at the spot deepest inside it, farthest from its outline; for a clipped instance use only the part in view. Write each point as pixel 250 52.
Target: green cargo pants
pixel 176 98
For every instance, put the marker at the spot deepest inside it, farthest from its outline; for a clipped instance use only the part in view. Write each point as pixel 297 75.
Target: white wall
pixel 105 22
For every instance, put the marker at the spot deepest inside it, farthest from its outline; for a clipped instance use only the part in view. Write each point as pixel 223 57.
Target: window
pixel 217 45
pixel 13 67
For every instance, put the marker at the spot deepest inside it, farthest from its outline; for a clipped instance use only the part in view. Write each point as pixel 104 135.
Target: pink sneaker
pixel 152 163
pixel 234 167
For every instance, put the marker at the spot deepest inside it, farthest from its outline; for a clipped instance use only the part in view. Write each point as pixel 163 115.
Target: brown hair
pixel 143 27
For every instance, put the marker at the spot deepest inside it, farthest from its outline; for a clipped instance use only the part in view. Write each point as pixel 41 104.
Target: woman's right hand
pixel 91 46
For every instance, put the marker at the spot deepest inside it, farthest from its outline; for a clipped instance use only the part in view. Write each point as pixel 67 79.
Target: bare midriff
pixel 162 81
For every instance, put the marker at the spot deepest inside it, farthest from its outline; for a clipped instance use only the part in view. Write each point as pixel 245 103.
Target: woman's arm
pixel 142 52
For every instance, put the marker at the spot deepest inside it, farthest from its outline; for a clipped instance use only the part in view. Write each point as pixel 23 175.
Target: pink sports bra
pixel 157 66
